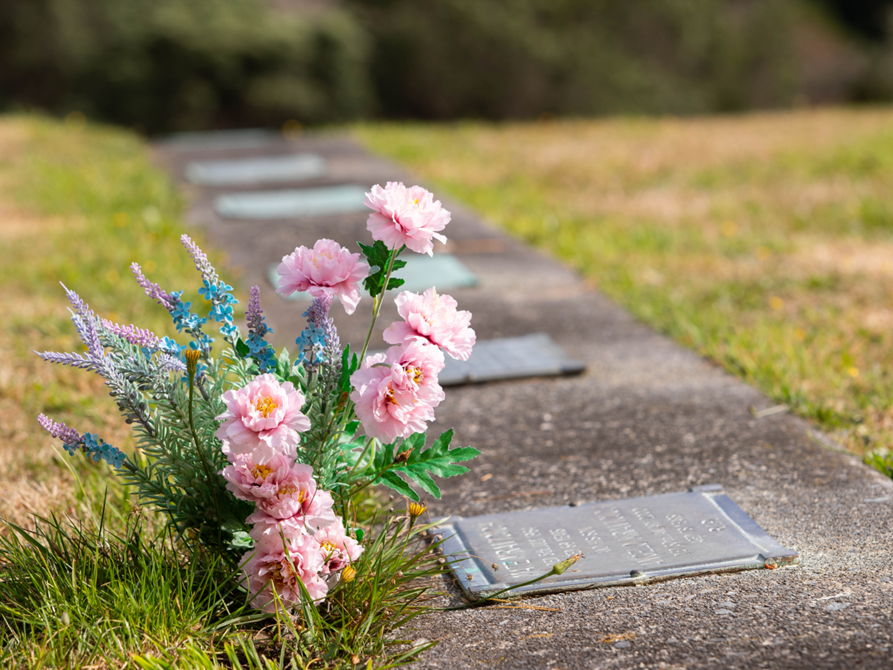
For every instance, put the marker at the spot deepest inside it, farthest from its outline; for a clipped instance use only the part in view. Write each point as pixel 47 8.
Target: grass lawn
pixel 77 205
pixel 764 242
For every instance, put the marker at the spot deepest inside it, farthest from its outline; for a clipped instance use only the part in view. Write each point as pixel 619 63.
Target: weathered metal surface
pixel 631 541
pixel 292 203
pixel 222 140
pixel 443 271
pixel 267 170
pixel 534 355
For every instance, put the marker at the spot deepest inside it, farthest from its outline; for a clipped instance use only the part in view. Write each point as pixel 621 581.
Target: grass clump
pixel 761 241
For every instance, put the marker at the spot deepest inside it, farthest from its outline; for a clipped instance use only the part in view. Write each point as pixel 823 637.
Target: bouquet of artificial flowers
pixel 260 457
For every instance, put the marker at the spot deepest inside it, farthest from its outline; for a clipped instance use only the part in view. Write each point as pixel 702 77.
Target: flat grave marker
pixel 246 138
pixel 534 355
pixel 444 271
pixel 270 169
pixel 292 203
pixel 623 542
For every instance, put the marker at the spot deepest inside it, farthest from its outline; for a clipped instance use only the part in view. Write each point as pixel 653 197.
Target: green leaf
pixel 438 460
pixel 242 348
pixel 241 540
pixel 283 366
pixel 379 256
pixel 349 365
pixel 391 480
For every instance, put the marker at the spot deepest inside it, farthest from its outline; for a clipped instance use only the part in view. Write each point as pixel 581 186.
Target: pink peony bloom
pixel 313 508
pixel 407 216
pixel 397 398
pixel 337 547
pixel 271 534
pixel 269 568
pixel 262 419
pixel 279 487
pixel 328 269
pixel 432 318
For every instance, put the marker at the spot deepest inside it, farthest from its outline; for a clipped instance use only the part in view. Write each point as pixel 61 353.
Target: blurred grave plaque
pixel 623 542
pixel 444 271
pixel 266 170
pixel 292 204
pixel 534 355
pixel 248 138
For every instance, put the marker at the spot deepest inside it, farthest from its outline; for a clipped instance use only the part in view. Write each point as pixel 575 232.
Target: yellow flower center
pixel 328 547
pixel 415 374
pixel 265 405
pixel 288 490
pixel 261 471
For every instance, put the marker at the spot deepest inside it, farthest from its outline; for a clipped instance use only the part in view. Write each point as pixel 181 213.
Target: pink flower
pixel 280 488
pixel 279 567
pixel 407 216
pixel 262 419
pixel 337 547
pixel 314 507
pixel 432 318
pixel 396 392
pixel 328 269
pixel 269 533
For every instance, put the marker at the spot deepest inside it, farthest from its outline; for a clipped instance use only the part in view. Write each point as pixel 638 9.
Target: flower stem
pixel 376 310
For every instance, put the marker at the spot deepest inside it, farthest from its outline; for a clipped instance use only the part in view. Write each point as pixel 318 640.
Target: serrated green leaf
pixel 415 442
pixel 392 480
pixel 446 469
pixel 422 478
pixel 378 256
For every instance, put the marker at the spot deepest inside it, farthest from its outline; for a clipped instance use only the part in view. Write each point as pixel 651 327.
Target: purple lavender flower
pixel 202 264
pixel 139 337
pixel 85 321
pixel 319 342
pixel 255 315
pixel 152 289
pixel 318 317
pixel 258 348
pixel 218 292
pixel 69 436
pixel 74 360
pixel 90 443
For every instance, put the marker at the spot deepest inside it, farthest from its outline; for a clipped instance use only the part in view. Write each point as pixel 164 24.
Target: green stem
pixel 376 310
pixel 379 301
pixel 201 453
pixel 557 569
pixel 362 456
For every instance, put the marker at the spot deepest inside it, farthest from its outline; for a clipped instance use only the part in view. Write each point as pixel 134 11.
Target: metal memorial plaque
pixel 623 542
pixel 535 355
pixel 292 204
pixel 443 271
pixel 247 138
pixel 266 170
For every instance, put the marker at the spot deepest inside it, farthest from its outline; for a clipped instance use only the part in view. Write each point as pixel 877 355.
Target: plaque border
pixel 475 585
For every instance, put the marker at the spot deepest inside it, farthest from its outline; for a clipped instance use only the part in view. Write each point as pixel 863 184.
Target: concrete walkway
pixel 648 417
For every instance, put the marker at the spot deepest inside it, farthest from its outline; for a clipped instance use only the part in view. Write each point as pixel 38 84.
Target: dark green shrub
pixel 172 64
pixel 520 58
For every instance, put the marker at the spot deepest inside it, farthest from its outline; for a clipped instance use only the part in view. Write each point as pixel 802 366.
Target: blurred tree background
pixel 163 65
